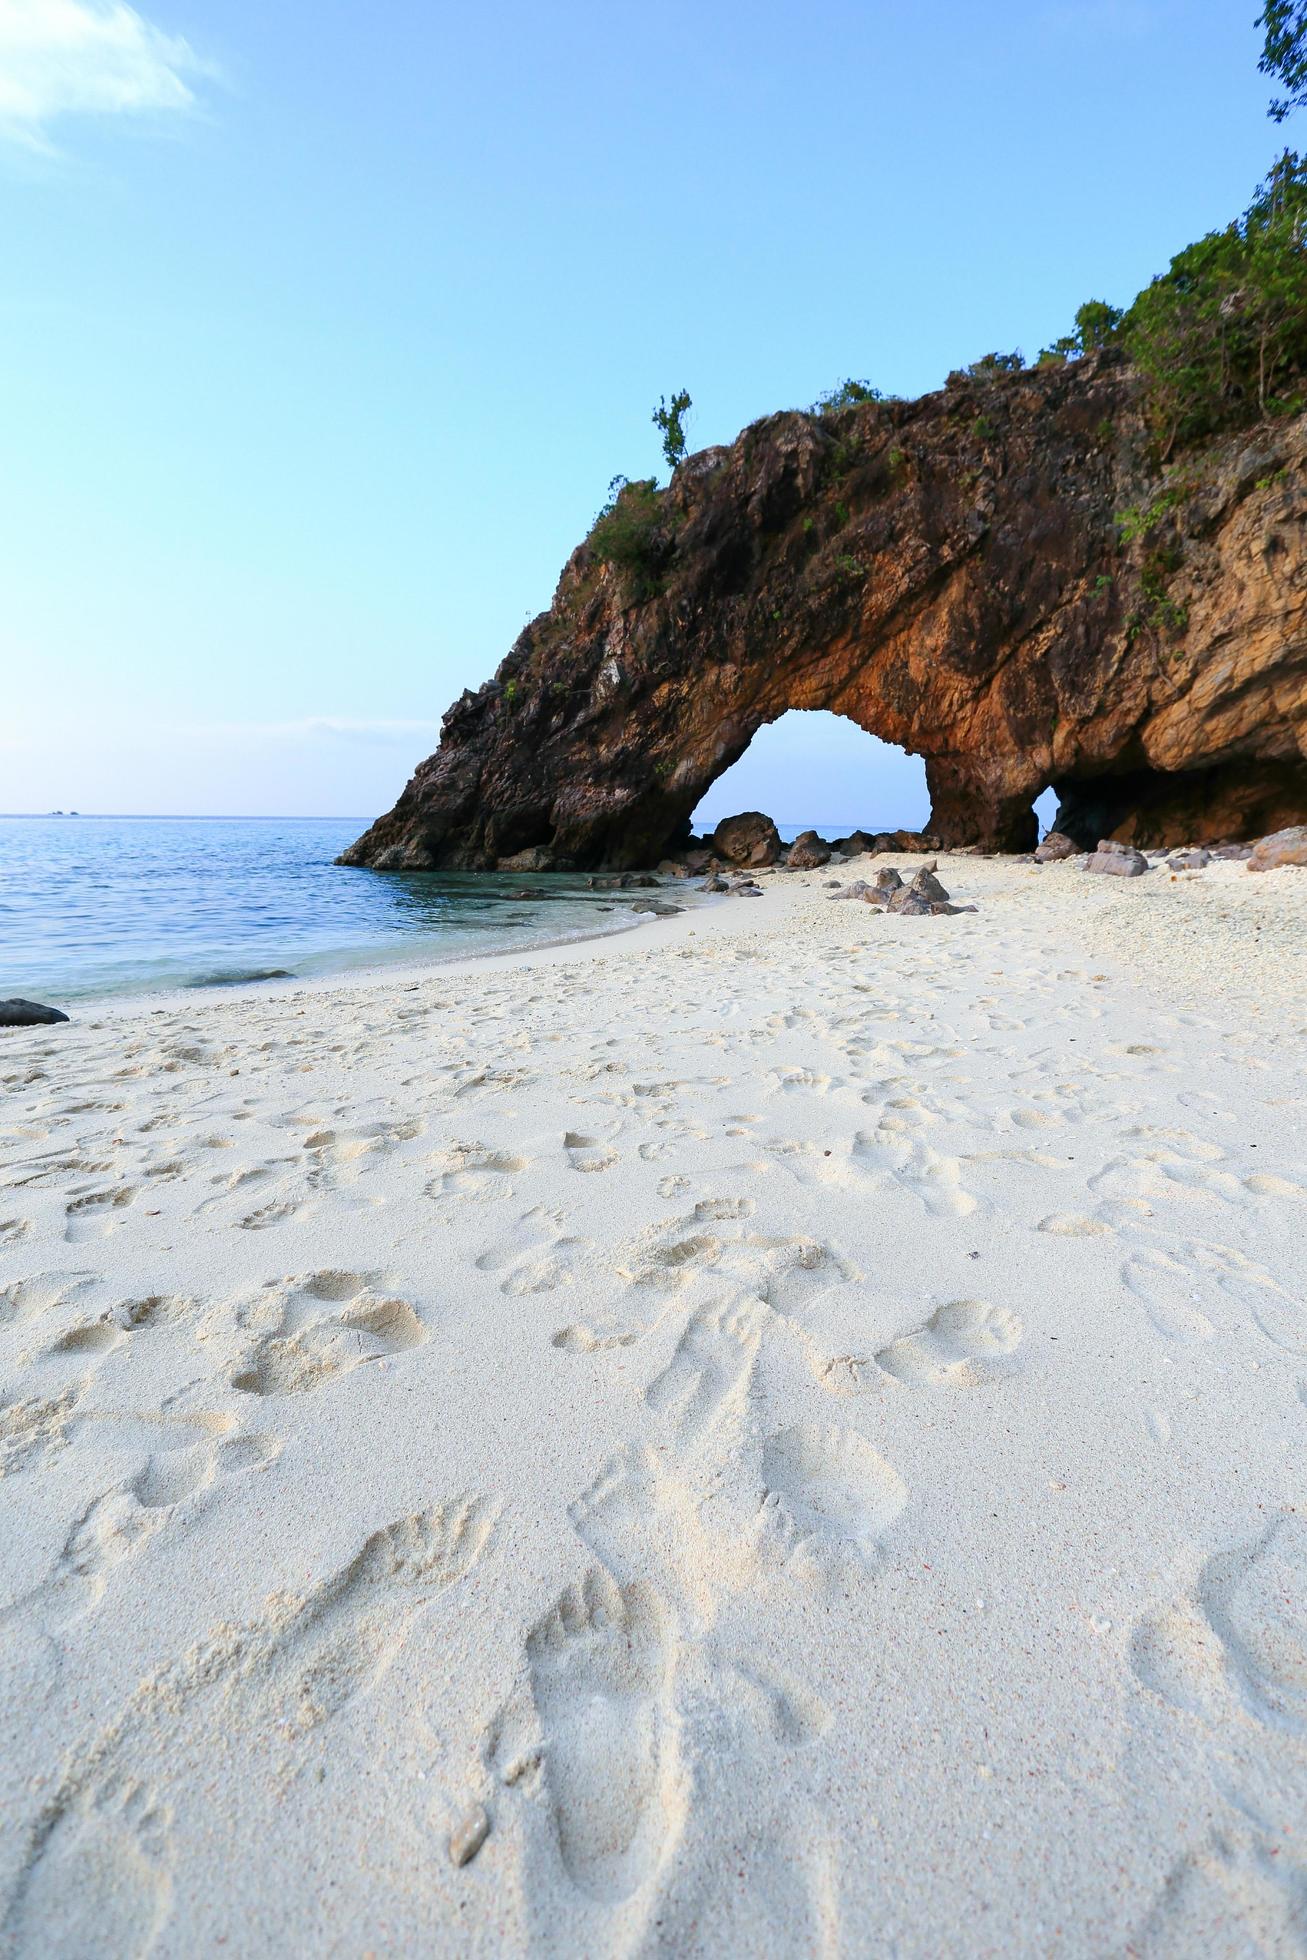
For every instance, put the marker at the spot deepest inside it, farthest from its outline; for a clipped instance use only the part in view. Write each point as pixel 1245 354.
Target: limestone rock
pixel 750 839
pixel 947 573
pixel 1055 847
pixel 1117 860
pixel 538 858
pixel 1282 847
pixel 808 852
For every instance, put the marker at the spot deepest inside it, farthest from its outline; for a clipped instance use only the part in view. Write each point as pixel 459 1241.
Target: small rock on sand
pixel 1117 860
pixel 468 1836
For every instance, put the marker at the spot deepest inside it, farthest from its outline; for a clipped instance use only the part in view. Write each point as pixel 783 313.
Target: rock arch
pixel 949 575
pixel 813 768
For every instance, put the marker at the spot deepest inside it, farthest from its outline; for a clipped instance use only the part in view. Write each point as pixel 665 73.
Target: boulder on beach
pixel 1117 860
pixel 749 839
pixel 808 852
pixel 28 1014
pixel 1280 848
pixel 1056 845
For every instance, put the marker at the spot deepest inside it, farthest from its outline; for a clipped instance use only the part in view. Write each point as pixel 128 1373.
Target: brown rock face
pixel 950 575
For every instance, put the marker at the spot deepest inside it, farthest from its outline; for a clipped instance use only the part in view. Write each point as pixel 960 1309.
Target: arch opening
pixel 1045 809
pixel 811 769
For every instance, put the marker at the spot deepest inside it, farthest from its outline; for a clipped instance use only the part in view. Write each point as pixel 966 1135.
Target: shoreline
pixel 1215 896
pixel 712 1423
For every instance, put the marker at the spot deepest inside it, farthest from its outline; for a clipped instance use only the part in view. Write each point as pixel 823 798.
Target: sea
pixel 94 906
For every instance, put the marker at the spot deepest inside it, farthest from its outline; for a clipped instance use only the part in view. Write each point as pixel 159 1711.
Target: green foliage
pixel 510 693
pixel 841 516
pixel 984 429
pixel 630 532
pixel 1137 525
pixel 1284 56
pixel 849 394
pixel 897 459
pixel 670 418
pixel 1141 520
pixel 1097 325
pixel 992 367
pixel 1222 336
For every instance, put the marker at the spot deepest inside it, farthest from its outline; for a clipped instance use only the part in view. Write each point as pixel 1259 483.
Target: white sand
pixel 799 1414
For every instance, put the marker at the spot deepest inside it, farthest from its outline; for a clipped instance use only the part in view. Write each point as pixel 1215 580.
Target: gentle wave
pixel 95 906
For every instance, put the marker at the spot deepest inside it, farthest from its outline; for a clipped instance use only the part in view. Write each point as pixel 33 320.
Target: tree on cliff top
pixel 1284 56
pixel 670 419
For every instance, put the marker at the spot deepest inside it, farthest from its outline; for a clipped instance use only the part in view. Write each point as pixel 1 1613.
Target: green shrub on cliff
pixel 1221 338
pixel 849 394
pixel 629 532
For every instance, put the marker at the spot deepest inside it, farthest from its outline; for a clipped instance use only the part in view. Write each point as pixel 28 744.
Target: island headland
pixel 1002 577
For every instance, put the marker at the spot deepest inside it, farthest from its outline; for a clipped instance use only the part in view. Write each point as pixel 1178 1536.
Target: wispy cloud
pixel 68 58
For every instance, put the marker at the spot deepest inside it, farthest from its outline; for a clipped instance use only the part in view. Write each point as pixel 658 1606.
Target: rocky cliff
pixel 997 576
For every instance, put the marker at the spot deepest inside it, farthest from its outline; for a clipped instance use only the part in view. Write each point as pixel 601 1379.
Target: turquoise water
pixel 110 905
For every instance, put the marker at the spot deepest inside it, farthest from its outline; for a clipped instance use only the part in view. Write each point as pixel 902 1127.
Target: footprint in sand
pixel 1073 1225
pixel 962 1345
pixel 41 1294
pixel 599 1665
pixel 304 1347
pixel 587 1153
pixel 710 1372
pixel 97 1213
pixel 828 1497
pixel 119 1521
pixel 1240 1883
pixel 1170 1297
pixel 1256 1602
pixel 274 1213
pixel 348 1631
pixel 97 1881
pixel 535 1256
pixel 474 1172
pixel 1242 1630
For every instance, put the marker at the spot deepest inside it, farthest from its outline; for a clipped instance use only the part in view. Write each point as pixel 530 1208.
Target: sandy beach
pixel 779 1433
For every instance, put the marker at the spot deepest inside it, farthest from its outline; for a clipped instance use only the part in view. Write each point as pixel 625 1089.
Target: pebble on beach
pixel 468 1836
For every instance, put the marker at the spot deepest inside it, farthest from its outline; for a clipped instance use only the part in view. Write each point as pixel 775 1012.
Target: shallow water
pixel 108 905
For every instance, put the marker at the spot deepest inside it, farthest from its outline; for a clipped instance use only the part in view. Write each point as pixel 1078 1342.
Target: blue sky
pixel 324 327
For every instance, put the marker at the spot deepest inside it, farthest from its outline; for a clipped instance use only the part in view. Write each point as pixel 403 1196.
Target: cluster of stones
pixel 922 897
pixel 1115 860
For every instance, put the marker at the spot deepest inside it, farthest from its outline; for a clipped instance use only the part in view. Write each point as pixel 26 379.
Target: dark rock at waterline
pixel 240 977
pixel 28 1014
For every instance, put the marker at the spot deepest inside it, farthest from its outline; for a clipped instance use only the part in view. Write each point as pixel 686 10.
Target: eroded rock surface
pixel 948 573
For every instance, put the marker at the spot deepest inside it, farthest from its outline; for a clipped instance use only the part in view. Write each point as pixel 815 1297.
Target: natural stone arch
pixel 949 575
pixel 813 768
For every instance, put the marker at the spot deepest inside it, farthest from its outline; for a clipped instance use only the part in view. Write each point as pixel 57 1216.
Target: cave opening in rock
pixel 811 769
pixel 1045 809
